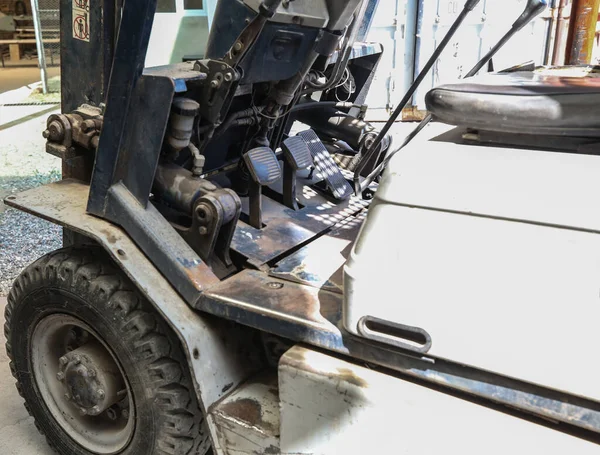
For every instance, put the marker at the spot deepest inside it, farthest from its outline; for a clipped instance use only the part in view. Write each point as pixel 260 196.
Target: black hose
pixel 230 121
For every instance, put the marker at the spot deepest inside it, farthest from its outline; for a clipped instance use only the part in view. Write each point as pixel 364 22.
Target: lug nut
pixel 83 411
pixel 94 411
pixel 60 376
pixel 111 414
pixel 68 396
pixel 101 394
pixel 63 361
pixel 92 373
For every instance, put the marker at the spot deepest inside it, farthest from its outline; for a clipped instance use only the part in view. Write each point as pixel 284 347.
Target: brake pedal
pixel 296 156
pixel 325 166
pixel 264 169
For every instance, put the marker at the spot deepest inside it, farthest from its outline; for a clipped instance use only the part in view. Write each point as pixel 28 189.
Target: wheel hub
pixel 91 379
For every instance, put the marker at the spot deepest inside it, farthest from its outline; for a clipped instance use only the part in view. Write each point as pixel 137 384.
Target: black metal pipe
pixel 532 10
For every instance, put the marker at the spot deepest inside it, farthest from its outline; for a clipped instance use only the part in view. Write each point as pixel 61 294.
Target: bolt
pixel 83 411
pixel 60 376
pixel 274 285
pixel 438 19
pixel 63 361
pixel 203 230
pixel 228 77
pixel 68 396
pixel 238 46
pixel 91 373
pixel 94 411
pixel 95 141
pixel 214 83
pixel 46 134
pixel 88 126
pixel 101 394
pixel 76 360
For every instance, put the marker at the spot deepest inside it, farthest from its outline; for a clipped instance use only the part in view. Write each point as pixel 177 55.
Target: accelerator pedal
pixel 325 166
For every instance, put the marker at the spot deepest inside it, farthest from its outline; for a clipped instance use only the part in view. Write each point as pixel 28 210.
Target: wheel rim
pixel 82 384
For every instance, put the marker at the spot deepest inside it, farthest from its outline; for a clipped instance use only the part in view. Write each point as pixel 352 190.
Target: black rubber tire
pixel 83 282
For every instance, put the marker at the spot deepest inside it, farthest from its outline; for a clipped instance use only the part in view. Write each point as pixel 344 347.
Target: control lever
pixel 469 6
pixel 532 10
pixel 296 156
pixel 264 169
pixel 250 34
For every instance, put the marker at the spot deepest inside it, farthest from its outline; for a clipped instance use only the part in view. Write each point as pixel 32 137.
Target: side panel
pixel 494 253
pixel 330 406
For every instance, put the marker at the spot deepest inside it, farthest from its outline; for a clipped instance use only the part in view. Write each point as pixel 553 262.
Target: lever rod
pixel 532 10
pixel 469 6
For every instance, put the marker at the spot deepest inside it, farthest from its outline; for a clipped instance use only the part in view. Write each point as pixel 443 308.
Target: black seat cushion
pixel 558 102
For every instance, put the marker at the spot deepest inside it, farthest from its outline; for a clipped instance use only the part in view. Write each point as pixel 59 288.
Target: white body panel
pixel 495 253
pixel 330 407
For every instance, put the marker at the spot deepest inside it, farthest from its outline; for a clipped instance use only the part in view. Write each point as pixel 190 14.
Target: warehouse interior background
pixel 409 30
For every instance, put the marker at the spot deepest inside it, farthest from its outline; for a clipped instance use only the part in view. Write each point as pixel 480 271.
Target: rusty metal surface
pixel 248 419
pixel 231 359
pixel 313 316
pixel 285 228
pixel 319 264
pixel 155 236
pixel 290 310
pixel 300 313
pixel 582 31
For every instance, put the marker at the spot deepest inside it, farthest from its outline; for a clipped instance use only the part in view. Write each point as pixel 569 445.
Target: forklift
pixel 251 267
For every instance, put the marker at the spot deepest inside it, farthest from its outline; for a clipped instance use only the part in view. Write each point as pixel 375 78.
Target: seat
pixel 549 101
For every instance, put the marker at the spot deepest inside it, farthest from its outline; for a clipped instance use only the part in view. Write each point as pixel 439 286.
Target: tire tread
pixel 90 273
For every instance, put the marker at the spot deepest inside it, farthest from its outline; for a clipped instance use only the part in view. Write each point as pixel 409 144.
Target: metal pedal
pixel 296 156
pixel 264 169
pixel 325 166
pixel 263 165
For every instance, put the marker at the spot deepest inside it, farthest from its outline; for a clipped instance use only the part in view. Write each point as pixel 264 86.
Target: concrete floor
pixel 12 78
pixel 18 435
